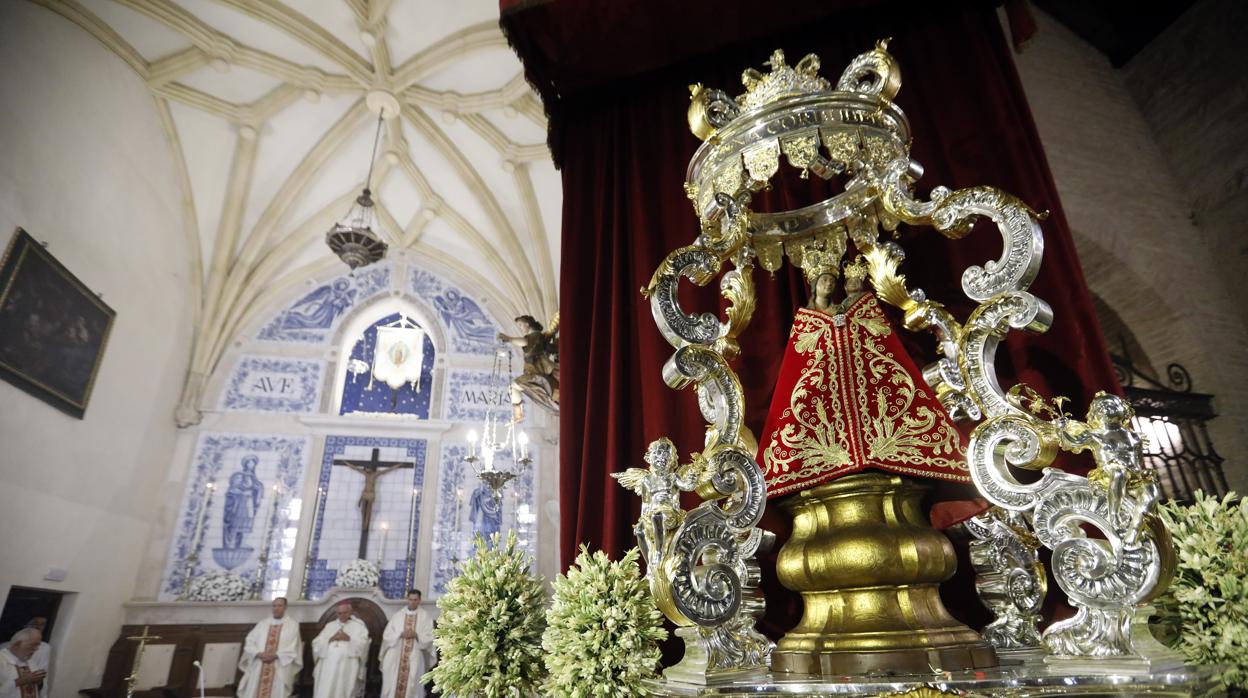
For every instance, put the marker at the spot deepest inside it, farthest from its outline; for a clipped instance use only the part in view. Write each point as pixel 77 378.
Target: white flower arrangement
pixel 217 586
pixel 602 630
pixel 489 634
pixel 358 574
pixel 1210 589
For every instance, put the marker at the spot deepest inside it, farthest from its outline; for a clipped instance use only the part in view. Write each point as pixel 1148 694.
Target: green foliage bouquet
pixel 1210 589
pixel 489 633
pixel 602 630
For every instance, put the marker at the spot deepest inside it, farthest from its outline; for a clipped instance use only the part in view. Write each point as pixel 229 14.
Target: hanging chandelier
pixel 353 238
pixel 499 433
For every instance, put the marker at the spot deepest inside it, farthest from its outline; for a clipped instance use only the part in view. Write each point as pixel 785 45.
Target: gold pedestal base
pixel 869 566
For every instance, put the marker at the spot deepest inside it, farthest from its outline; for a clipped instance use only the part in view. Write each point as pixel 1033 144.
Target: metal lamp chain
pixel 372 160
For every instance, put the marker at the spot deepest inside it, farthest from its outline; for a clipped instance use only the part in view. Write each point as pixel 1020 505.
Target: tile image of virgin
pixel 242 501
pixel 485 512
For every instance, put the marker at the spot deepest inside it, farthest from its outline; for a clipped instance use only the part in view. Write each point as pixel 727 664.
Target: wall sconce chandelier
pixel 490 442
pixel 353 238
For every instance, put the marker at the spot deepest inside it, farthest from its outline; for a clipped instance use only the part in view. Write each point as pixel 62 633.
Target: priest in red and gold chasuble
pixel 848 398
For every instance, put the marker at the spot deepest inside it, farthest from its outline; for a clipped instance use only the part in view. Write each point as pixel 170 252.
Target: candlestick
pixel 203 515
pixel 192 557
pixel 459 529
pixel 268 534
pixel 381 551
pixel 307 559
pixel 266 542
pixel 411 533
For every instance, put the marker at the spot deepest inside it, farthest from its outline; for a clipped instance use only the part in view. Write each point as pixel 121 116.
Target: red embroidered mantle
pixel 849 398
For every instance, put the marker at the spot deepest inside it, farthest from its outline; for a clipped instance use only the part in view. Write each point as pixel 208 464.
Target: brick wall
pixel 1191 84
pixel 1158 267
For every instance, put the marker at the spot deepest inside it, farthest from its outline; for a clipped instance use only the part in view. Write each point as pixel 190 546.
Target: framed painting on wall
pixel 53 329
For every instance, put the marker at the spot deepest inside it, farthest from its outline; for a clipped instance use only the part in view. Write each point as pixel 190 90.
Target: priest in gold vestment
pixel 405 646
pixel 272 656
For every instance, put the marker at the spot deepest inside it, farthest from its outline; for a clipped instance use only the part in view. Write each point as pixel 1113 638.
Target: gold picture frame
pixel 53 329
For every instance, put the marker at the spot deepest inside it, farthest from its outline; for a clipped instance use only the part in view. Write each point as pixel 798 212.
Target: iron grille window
pixel 1174 420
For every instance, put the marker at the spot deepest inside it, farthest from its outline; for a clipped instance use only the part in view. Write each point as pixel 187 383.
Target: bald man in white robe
pixel 272 656
pixel 340 651
pixel 21 676
pixel 404 650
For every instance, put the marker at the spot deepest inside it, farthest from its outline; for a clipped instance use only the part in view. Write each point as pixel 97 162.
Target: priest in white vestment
pixel 21 675
pixel 340 652
pixel 272 656
pixel 404 650
pixel 43 655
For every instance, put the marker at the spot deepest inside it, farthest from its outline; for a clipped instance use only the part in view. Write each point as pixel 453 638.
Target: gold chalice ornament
pixel 846 452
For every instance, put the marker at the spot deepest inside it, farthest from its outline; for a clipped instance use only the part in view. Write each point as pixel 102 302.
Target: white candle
pixel 381 552
pixel 472 443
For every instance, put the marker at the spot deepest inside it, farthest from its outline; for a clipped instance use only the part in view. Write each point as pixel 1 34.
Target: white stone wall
pixel 1141 252
pixel 86 169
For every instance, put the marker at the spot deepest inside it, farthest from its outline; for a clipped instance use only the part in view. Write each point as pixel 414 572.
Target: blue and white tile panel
pixel 455 523
pixel 278 459
pixel 337 536
pixel 313 318
pixel 469 394
pixel 470 330
pixel 274 384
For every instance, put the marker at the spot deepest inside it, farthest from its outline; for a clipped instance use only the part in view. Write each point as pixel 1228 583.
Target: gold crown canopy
pixel 791 113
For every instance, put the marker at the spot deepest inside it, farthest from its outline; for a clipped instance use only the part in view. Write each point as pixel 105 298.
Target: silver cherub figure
pixel 1118 451
pixel 657 486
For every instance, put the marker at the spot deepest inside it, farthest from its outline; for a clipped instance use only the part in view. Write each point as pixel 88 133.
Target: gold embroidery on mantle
pixel 853 406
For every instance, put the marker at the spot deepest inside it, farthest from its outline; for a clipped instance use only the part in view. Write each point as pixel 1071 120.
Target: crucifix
pixel 371 470
pixel 133 679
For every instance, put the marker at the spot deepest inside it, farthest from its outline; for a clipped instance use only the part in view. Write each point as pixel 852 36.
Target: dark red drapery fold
pixel 624 149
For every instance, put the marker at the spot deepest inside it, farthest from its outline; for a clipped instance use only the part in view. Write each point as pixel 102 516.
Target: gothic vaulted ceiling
pixel 264 102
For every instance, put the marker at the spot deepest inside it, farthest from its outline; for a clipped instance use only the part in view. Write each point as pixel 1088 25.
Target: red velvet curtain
pixel 624 147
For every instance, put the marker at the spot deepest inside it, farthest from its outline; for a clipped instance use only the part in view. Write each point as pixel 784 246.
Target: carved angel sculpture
pixel 1118 452
pixel 659 488
pixel 540 380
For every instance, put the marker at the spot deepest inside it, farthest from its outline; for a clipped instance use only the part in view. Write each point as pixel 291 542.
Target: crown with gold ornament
pixel 782 81
pixel 856 271
pixel 817 260
pixel 791 113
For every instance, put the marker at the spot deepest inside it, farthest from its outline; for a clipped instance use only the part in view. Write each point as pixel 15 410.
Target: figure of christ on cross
pixel 371 470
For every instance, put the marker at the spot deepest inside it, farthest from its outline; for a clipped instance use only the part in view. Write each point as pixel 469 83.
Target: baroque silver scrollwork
pixel 700 562
pixel 1109 580
pixel 679 328
pixel 1010 579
